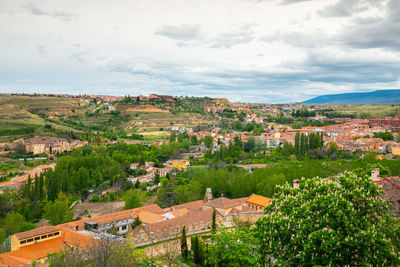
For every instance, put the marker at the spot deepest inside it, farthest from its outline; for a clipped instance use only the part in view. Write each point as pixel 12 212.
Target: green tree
pixel 208 141
pixel 111 196
pixel 58 212
pixel 195 247
pixel 132 199
pixel 297 144
pixel 236 247
pixel 13 223
pixel 184 246
pixel 328 222
pixel 28 188
pixel 41 187
pixel 386 136
pixel 95 198
pixel 287 149
pixel 213 222
pixel 172 137
pixel 136 222
pixel 251 144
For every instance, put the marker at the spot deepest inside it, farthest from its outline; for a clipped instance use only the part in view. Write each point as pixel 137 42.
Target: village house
pixel 179 165
pixel 35 245
pixel 258 202
pixel 19 181
pixel 157 225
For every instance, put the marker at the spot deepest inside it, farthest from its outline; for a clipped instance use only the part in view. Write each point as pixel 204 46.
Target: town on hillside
pixel 173 180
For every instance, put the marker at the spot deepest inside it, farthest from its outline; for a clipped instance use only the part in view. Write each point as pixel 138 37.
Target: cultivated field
pixel 371 111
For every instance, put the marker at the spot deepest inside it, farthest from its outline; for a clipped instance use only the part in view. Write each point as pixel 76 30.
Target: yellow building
pixel 180 165
pixel 258 202
pixel 396 150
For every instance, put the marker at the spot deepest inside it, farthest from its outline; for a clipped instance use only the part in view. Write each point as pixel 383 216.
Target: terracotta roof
pixel 77 239
pixel 180 212
pixel 191 206
pixel 111 217
pixel 193 218
pixel 11 261
pixel 149 217
pixel 37 231
pixel 39 250
pixel 259 200
pixel 226 203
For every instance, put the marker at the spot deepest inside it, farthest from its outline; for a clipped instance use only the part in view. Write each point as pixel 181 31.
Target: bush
pixel 95 198
pixel 111 196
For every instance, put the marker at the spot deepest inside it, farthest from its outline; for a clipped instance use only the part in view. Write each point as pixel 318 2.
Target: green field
pixel 371 111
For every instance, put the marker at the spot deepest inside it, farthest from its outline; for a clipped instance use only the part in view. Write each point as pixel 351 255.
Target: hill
pixel 375 97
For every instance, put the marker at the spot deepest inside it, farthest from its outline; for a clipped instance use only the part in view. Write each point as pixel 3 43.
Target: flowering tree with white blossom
pixel 329 222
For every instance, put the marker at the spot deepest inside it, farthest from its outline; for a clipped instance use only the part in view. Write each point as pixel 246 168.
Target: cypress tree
pixel 297 144
pixel 184 246
pixel 27 189
pixel 195 250
pixel 321 142
pixel 214 224
pixel 306 141
pixel 35 194
pixel 41 187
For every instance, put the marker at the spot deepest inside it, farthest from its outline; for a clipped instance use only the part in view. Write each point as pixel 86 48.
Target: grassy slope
pixel 379 111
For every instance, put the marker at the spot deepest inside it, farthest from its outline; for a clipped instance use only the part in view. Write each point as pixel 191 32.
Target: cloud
pixel 241 34
pixel 41 50
pixel 367 33
pixel 345 8
pixel 286 2
pixel 183 32
pixel 35 10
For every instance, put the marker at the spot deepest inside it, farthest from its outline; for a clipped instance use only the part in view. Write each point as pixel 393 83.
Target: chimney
pixel 375 175
pixel 296 184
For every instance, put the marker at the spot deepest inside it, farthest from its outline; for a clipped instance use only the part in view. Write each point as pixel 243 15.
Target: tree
pixel 13 223
pixel 251 144
pixel 184 246
pixel 236 247
pixel 28 188
pixel 95 198
pixel 111 196
pixel 195 247
pixel 287 149
pixel 208 141
pixel 132 199
pixel 172 137
pixel 213 223
pixel 41 187
pixel 58 212
pixel 386 136
pixel 106 251
pixel 167 195
pixel 328 222
pixel 136 222
pixel 297 144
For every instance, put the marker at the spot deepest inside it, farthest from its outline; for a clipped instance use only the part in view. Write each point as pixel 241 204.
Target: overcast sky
pixel 269 51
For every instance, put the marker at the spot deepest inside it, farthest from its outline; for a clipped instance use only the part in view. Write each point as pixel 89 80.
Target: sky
pixel 263 51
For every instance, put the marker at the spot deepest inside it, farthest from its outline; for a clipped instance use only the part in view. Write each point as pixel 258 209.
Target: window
pixel 50 235
pixel 43 236
pixel 22 242
pixel 123 227
pixel 37 238
pixel 30 240
pixel 56 233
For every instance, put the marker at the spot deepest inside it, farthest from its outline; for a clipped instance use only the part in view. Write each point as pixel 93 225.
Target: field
pixel 371 111
pixel 25 116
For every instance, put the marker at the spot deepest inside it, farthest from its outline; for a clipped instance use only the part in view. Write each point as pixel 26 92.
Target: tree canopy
pixel 328 222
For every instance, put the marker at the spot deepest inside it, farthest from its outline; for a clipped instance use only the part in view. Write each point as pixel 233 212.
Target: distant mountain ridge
pixel 375 97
